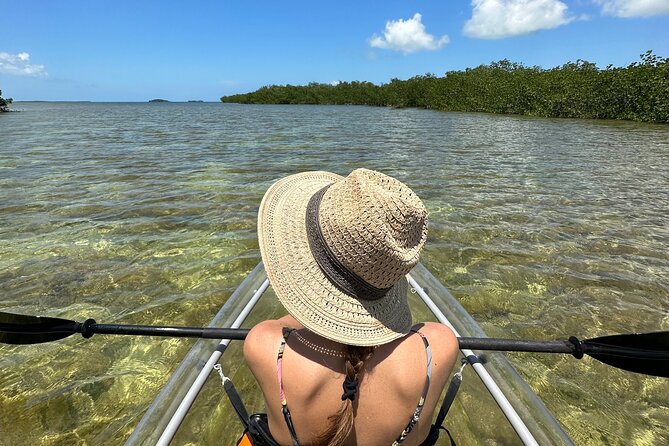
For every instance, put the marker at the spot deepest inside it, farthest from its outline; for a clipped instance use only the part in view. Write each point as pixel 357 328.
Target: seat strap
pixel 452 392
pixel 446 404
pixel 234 397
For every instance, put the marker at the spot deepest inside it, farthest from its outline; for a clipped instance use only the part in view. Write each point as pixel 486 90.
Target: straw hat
pixel 337 251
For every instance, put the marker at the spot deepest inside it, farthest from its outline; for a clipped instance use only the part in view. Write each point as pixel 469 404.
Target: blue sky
pixel 139 50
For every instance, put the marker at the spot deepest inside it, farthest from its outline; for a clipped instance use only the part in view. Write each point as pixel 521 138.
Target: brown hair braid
pixel 341 423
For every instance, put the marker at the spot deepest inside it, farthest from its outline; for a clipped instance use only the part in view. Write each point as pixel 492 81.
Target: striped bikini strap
pixel 279 375
pixel 421 402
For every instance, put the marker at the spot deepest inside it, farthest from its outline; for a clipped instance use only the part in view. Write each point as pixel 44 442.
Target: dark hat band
pixel 335 271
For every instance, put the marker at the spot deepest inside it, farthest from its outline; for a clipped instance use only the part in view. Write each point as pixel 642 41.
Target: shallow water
pixel 145 213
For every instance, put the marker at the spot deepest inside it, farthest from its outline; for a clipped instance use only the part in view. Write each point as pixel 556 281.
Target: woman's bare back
pixel 390 386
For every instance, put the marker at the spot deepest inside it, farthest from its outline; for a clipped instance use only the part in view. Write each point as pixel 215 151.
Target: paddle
pixel 646 353
pixel 24 329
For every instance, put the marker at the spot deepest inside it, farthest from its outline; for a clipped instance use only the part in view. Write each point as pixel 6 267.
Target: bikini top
pixel 412 421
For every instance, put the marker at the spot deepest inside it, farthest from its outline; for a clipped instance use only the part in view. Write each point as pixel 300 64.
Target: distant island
pixel 196 100
pixel 638 92
pixel 159 100
pixel 4 103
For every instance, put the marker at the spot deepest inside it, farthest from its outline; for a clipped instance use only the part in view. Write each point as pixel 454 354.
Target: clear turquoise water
pixel 145 213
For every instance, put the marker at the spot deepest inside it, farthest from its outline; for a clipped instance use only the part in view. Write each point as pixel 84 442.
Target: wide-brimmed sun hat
pixel 337 251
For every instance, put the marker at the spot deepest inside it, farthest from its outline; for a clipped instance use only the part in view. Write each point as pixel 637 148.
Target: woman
pixel 346 366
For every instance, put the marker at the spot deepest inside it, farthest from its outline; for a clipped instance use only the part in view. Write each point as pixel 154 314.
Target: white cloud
pixel 497 19
pixel 19 65
pixel 407 36
pixel 634 8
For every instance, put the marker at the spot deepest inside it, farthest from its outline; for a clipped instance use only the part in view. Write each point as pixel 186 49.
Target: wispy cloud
pixel 407 36
pixel 634 8
pixel 497 19
pixel 19 65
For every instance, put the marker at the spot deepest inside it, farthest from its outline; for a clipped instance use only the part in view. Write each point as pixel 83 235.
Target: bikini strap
pixel 421 402
pixel 279 374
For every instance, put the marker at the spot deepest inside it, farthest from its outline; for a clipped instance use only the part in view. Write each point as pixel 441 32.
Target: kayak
pixel 494 406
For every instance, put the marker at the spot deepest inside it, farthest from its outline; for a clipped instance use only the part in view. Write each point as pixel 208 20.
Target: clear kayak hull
pixel 530 418
pixel 514 414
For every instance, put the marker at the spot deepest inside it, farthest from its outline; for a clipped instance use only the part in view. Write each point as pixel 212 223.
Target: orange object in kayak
pixel 245 440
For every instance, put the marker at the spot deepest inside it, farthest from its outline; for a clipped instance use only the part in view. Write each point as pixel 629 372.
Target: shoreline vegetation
pixel 638 92
pixel 4 103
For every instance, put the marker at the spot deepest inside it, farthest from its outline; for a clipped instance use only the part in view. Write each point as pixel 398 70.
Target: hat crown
pixel 374 225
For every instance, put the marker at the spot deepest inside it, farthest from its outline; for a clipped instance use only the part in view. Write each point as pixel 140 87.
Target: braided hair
pixel 341 423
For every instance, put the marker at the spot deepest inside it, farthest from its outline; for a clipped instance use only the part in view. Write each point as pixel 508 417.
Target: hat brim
pixel 303 288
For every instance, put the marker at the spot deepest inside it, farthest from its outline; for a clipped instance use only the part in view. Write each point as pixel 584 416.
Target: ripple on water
pixel 131 213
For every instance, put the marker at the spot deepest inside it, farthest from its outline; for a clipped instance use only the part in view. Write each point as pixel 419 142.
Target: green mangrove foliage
pixel 4 103
pixel 638 92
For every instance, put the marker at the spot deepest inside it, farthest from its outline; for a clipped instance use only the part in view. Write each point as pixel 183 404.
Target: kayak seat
pixel 257 432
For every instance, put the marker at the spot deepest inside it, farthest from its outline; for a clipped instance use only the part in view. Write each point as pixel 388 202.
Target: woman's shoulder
pixel 437 331
pixel 441 338
pixel 263 339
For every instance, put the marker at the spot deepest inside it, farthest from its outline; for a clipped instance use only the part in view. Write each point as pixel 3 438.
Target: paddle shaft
pixel 172 332
pixel 516 345
pixel 491 344
pixel 89 328
pixel 240 334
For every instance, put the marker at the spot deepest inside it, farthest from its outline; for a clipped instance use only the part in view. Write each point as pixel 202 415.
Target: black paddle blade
pixel 646 353
pixel 23 329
